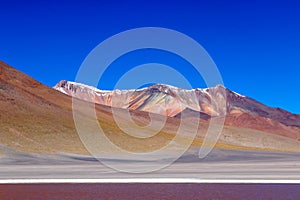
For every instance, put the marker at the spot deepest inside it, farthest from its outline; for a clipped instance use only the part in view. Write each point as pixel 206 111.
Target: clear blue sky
pixel 255 44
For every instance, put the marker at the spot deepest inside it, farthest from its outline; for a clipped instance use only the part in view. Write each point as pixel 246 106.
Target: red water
pixel 150 191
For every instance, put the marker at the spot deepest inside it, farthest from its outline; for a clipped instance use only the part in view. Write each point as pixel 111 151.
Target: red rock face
pixel 240 111
pixel 251 121
pixel 170 101
pixel 160 99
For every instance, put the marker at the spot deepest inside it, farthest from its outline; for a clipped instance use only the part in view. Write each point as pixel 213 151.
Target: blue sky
pixel 255 44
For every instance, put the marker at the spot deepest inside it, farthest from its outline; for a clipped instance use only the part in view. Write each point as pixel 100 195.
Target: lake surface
pixel 150 191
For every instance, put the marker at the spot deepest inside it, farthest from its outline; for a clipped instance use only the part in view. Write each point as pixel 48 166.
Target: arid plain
pixel 39 138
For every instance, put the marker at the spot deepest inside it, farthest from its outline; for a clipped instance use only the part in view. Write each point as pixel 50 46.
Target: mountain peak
pixel 220 86
pixel 162 88
pixel 169 100
pixel 29 108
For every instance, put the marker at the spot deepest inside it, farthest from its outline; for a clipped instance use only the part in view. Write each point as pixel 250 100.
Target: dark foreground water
pixel 150 191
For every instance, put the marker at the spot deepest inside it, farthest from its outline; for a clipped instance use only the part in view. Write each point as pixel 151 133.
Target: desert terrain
pixel 39 138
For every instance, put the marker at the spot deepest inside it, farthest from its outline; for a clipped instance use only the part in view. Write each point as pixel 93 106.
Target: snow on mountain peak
pixel 158 98
pixel 169 100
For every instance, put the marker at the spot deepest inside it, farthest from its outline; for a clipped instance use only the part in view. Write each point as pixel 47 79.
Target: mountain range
pixel 39 119
pixel 239 110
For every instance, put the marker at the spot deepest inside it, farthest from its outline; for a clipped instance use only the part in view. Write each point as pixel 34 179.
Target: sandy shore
pixel 220 164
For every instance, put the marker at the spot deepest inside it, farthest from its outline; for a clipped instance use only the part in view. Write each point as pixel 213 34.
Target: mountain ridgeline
pixel 171 101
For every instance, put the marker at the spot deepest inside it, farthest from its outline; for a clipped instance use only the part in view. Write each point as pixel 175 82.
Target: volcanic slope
pixel 239 110
pixel 36 118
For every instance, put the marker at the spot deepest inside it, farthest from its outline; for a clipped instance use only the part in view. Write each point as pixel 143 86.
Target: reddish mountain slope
pixel 240 111
pixel 36 118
